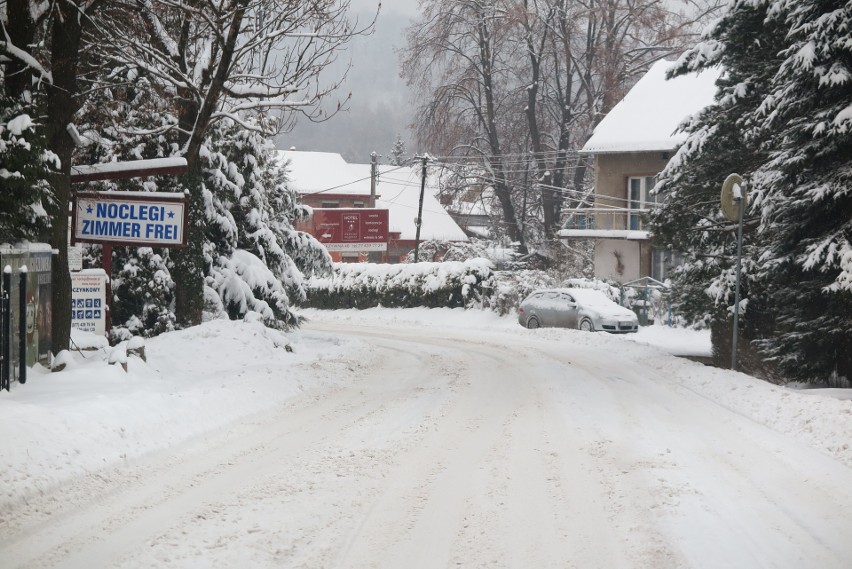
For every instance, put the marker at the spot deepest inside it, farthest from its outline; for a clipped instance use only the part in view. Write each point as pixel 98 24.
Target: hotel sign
pixel 359 229
pixel 130 218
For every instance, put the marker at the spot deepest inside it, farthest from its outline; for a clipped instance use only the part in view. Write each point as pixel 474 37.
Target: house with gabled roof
pixel 631 146
pixel 325 181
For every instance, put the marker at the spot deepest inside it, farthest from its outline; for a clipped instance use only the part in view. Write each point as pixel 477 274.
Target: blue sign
pixel 130 218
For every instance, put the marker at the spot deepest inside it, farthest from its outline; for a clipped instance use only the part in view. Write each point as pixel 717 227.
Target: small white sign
pixel 88 301
pixel 75 258
pixel 356 246
pixel 110 218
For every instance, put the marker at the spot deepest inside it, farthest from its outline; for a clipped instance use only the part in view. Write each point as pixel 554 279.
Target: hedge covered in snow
pixel 454 284
pixel 365 285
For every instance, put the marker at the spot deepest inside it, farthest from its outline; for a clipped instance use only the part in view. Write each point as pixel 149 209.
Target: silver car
pixel 584 309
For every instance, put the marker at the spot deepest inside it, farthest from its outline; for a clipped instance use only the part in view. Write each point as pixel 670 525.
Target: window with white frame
pixel 639 199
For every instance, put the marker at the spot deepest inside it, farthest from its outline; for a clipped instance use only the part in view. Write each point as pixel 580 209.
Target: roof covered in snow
pixel 397 190
pixel 648 116
pixel 318 172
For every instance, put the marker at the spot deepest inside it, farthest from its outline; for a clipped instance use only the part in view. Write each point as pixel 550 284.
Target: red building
pixel 325 181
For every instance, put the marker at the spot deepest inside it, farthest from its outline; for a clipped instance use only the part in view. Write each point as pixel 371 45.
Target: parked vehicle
pixel 584 309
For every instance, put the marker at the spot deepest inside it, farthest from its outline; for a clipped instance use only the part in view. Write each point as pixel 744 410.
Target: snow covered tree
pixel 804 191
pixel 127 118
pixel 41 52
pixel 249 236
pixel 25 165
pixel 253 259
pixel 690 221
pixel 781 119
pixel 229 60
pixel 397 152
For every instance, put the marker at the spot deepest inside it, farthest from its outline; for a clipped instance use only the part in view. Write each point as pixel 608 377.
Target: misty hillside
pixel 379 108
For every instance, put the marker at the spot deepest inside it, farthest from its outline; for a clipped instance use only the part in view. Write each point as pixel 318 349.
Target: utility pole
pixel 374 174
pixel 418 221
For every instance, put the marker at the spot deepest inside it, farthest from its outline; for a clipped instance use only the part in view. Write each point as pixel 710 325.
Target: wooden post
pixel 374 174
pixel 419 221
pixel 107 263
pixel 22 326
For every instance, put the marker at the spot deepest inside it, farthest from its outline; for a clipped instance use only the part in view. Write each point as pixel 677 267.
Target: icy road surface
pixel 451 449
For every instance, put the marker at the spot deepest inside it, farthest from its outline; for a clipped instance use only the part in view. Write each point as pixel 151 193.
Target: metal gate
pixel 5 329
pixel 7 318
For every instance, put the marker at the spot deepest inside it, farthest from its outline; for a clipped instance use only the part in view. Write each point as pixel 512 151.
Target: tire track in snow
pixel 146 503
pixel 475 452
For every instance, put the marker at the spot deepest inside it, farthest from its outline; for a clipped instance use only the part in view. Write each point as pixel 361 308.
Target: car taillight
pixel 521 309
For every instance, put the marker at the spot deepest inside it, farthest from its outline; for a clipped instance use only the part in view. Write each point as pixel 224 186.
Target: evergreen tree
pixel 397 153
pixel 779 121
pixel 25 166
pixel 253 258
pixel 127 119
pixel 690 220
pixel 249 236
pixel 805 123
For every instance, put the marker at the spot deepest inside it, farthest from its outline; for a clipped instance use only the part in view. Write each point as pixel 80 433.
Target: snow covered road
pixel 440 448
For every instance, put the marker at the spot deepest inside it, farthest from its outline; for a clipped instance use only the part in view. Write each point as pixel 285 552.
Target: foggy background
pixel 380 107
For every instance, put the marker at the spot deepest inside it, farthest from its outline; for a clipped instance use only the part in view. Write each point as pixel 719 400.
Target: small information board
pixel 130 218
pixel 88 301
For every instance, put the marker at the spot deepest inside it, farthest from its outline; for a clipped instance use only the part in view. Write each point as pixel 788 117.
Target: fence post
pixel 22 326
pixel 6 332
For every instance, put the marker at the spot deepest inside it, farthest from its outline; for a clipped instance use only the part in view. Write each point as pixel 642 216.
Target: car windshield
pixel 591 298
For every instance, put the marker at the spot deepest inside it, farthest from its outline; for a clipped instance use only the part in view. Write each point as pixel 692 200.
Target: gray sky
pixel 380 108
pixel 408 7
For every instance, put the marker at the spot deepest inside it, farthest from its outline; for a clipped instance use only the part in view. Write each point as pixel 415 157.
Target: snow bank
pixel 92 414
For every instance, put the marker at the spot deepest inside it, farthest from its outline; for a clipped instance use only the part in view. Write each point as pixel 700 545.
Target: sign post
pixel 734 201
pixel 127 218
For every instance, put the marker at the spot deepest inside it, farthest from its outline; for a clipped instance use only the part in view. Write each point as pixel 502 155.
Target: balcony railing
pixel 606 219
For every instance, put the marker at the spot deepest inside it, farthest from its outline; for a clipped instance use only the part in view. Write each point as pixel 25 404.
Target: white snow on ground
pixel 384 425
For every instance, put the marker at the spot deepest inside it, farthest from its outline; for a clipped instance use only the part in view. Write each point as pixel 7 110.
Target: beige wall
pixel 622 260
pixel 612 171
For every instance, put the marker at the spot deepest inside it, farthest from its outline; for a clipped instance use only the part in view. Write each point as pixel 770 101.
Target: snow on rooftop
pixel 319 172
pixel 648 116
pixel 398 190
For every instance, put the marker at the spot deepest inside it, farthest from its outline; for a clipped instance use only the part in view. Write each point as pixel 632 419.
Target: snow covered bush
pixel 142 291
pixel 450 284
pixel 511 287
pixel 433 250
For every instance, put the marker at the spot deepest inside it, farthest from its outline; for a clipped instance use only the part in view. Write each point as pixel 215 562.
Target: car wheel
pixel 532 323
pixel 586 325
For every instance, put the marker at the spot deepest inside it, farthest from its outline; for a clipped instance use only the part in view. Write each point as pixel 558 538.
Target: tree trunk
pixel 188 269
pixel 501 187
pixel 66 33
pixel 195 119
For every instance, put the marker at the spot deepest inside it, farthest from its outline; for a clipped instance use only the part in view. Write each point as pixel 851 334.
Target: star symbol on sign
pixel 89 209
pixel 171 214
